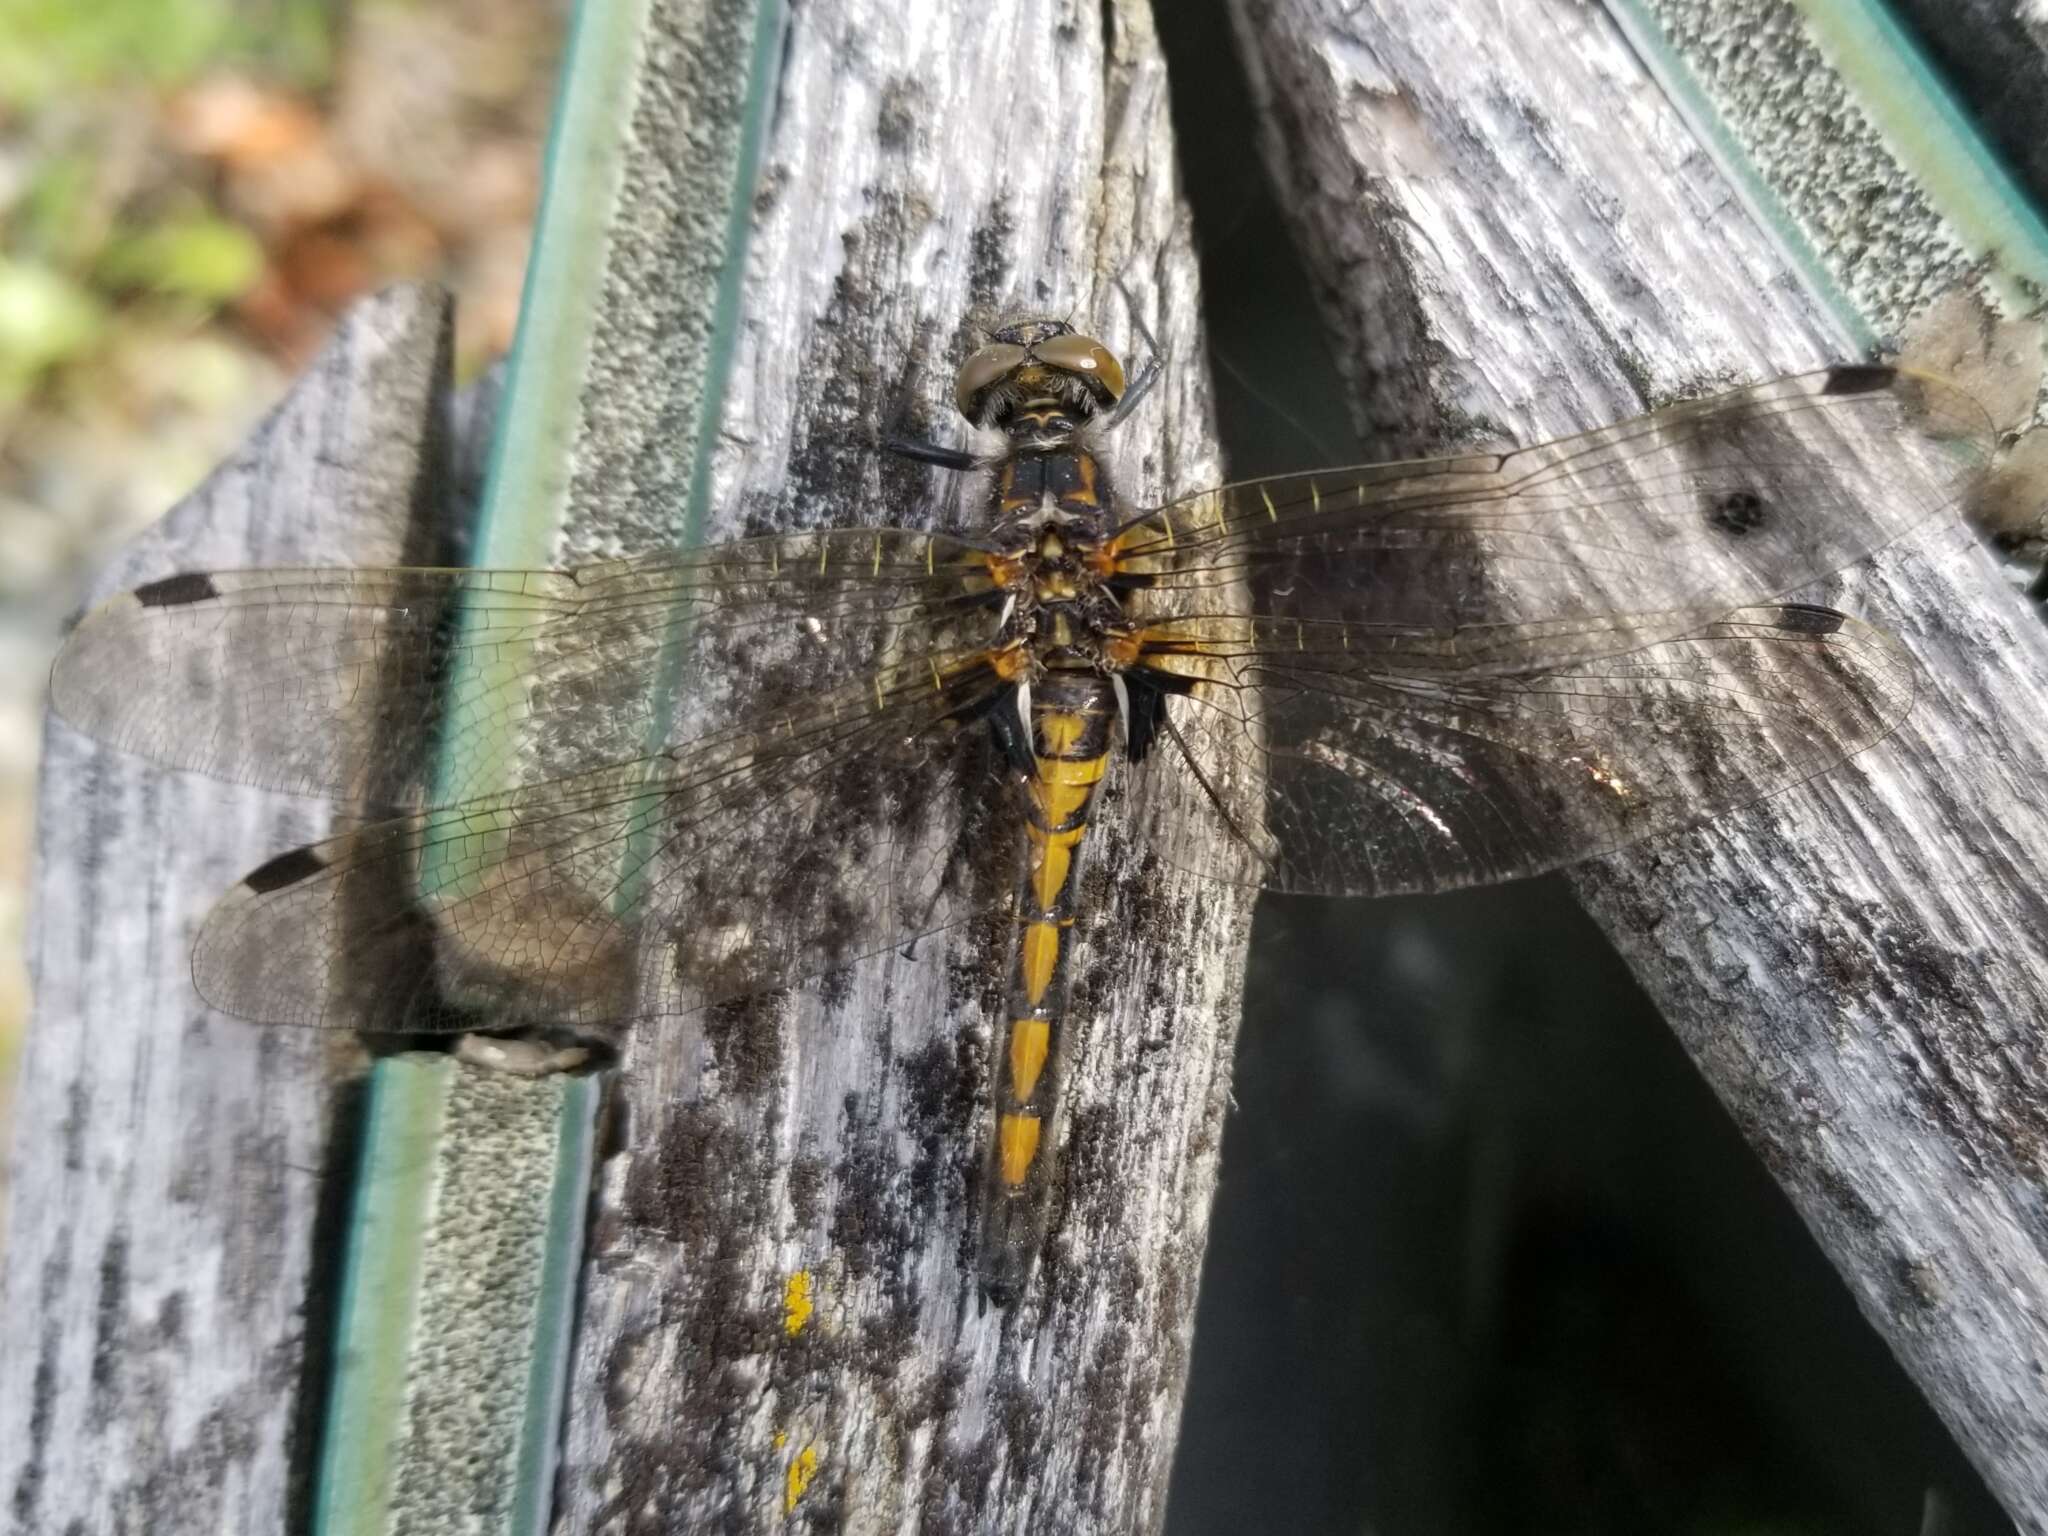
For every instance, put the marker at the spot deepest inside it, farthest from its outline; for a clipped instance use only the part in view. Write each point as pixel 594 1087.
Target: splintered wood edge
pixel 175 1171
pixel 1502 193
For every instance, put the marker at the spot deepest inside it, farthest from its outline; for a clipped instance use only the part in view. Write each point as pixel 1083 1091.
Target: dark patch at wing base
pixel 176 591
pixel 1807 619
pixel 286 869
pixel 1858 379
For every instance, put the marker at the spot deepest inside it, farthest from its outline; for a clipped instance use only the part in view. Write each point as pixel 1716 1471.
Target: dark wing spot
pixel 286 869
pixel 1806 619
pixel 1859 379
pixel 174 591
pixel 1738 512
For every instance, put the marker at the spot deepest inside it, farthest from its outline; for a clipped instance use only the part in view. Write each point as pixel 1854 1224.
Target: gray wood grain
pixel 162 1305
pixel 927 169
pixel 1515 237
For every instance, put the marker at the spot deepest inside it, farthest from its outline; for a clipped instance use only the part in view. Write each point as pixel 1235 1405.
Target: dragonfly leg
pixel 1148 375
pixel 929 453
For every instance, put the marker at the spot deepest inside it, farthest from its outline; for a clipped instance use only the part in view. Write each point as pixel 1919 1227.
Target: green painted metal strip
pixel 413 1357
pixel 527 484
pixel 526 488
pixel 380 1292
pixel 1640 23
pixel 1927 129
pixel 555 1319
pixel 763 68
pixel 1807 104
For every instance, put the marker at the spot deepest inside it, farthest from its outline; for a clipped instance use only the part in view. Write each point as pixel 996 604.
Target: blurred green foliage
pixel 196 257
pixel 52 48
pixel 46 320
pixel 98 226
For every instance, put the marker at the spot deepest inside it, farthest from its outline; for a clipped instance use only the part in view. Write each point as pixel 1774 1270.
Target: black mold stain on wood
pixel 844 387
pixel 806 1188
pixel 77 1115
pixel 1842 1198
pixel 942 1084
pixel 896 119
pixel 1102 1397
pixel 1025 1422
pixel 746 1041
pixel 956 1493
pixel 170 1320
pixel 870 1227
pixel 988 263
pixel 110 1311
pixel 705 1189
pixel 28 1488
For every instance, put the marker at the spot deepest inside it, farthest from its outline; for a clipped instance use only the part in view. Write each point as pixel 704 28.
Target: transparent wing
pixel 754 857
pixel 386 687
pixel 1416 676
pixel 1347 777
pixel 1648 528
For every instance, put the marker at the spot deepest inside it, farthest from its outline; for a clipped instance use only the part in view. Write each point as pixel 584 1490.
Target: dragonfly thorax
pixel 1059 610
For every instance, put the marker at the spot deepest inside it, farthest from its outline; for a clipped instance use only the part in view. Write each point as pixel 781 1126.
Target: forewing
pixel 403 687
pixel 758 855
pixel 1648 528
pixel 1347 777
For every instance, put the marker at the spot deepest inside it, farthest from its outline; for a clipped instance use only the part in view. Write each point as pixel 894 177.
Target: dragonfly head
pixel 1036 362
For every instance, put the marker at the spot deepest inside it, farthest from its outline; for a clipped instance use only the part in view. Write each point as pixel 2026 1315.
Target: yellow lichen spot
pixel 1030 1041
pixel 802 1468
pixel 796 1302
pixel 781 1439
pixel 1041 950
pixel 1019 1145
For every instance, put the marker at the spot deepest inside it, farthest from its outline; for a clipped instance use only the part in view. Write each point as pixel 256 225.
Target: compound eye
pixel 1085 358
pixel 981 373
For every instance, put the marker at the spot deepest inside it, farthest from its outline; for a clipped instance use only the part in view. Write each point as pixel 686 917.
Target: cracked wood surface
pixel 167 1266
pixel 823 1145
pixel 779 1317
pixel 1512 232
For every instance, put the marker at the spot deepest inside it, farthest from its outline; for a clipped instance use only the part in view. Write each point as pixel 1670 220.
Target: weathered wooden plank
pixel 1512 228
pixel 175 1175
pixel 780 1310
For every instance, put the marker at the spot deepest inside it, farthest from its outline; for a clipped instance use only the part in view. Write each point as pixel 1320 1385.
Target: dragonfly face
pixel 1037 360
pixel 1385 678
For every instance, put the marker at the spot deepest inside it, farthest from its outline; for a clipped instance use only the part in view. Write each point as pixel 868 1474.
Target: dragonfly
pixel 630 790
